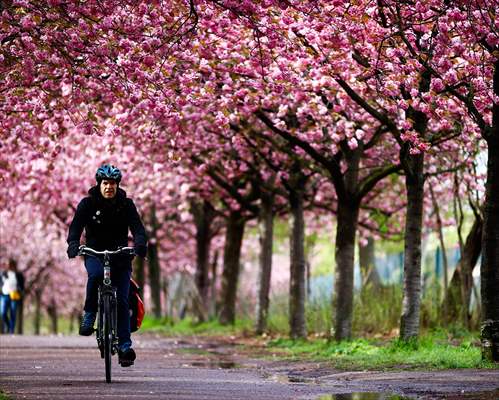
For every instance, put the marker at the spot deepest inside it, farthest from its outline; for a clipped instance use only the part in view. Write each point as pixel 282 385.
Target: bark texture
pixel 489 270
pixel 414 180
pixel 345 248
pixel 297 267
pixel 266 231
pixel 348 216
pixel 203 217
pixel 53 315
pixel 230 275
pixel 409 321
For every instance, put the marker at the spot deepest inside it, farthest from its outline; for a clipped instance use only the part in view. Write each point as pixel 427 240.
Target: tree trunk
pixel 368 271
pixel 409 322
pixel 348 212
pixel 414 182
pixel 297 321
pixel 310 242
pixel 213 285
pixel 458 295
pixel 73 320
pixel 139 275
pixel 154 272
pixel 203 217
pixel 346 229
pixel 20 317
pixel 38 310
pixel 52 313
pixel 164 289
pixel 266 229
pixel 489 271
pixel 154 278
pixel 230 275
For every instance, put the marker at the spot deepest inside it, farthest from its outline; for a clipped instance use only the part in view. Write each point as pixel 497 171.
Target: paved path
pixel 69 367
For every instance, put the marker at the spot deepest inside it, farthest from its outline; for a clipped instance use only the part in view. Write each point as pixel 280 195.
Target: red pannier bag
pixel 136 305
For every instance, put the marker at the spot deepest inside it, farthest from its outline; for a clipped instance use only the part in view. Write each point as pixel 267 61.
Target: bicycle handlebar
pixel 84 250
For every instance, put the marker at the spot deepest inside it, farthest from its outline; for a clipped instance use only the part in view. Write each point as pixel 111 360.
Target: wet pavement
pixel 69 367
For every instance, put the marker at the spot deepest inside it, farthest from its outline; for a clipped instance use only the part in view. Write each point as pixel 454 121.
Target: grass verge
pixel 188 327
pixel 3 396
pixel 439 349
pixel 431 351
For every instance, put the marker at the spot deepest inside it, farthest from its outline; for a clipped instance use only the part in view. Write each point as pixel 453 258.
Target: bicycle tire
pixel 100 328
pixel 108 333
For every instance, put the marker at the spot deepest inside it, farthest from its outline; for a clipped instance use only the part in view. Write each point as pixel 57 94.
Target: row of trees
pixel 255 109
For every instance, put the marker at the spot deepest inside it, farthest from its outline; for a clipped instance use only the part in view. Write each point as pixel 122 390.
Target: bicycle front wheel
pixel 108 335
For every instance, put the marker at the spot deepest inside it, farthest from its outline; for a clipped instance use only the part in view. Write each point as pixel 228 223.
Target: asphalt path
pixel 70 367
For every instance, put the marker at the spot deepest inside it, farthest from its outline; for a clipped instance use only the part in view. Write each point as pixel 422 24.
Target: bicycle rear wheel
pixel 108 333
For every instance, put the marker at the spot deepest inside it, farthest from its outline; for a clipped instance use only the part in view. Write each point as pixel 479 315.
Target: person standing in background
pixel 3 300
pixel 12 289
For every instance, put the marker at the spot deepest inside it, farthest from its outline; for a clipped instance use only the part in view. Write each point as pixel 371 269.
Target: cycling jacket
pixel 106 221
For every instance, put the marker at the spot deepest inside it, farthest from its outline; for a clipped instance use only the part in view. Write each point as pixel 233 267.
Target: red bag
pixel 136 305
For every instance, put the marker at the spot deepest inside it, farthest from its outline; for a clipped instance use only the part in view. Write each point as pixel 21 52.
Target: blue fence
pixel 390 268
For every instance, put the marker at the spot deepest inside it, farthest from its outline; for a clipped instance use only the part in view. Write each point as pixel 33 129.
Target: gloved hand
pixel 140 250
pixel 73 249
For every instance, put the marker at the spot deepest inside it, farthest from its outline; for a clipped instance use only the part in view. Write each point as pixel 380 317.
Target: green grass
pixel 188 327
pixel 63 325
pixel 431 351
pixel 438 349
pixel 3 396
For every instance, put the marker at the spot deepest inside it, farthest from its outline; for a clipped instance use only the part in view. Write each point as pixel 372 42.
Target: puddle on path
pixel 363 396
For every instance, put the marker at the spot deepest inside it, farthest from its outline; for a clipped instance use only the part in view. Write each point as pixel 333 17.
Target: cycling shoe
pixel 126 356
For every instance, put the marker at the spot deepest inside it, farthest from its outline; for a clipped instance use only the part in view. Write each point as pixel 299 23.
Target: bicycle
pixel 107 322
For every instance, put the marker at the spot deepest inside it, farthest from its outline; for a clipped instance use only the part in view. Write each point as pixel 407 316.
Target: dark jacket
pixel 106 221
pixel 20 281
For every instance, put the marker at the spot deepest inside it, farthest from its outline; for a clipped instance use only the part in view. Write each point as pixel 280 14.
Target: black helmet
pixel 108 171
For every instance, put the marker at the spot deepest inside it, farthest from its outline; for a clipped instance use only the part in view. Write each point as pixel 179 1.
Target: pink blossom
pixel 148 60
pixel 437 84
pixel 353 144
pixel 27 22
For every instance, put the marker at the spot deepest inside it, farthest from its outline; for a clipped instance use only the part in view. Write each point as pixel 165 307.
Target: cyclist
pixel 106 215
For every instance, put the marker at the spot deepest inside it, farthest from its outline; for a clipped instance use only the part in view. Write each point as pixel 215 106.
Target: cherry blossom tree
pixel 359 90
pixel 384 74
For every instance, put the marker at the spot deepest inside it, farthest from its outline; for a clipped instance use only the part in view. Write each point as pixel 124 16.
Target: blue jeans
pixel 8 311
pixel 121 271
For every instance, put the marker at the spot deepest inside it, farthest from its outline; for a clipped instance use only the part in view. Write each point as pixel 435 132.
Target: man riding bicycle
pixel 106 215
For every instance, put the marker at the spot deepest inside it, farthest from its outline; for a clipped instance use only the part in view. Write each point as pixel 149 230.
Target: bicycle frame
pixel 107 313
pixel 106 289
